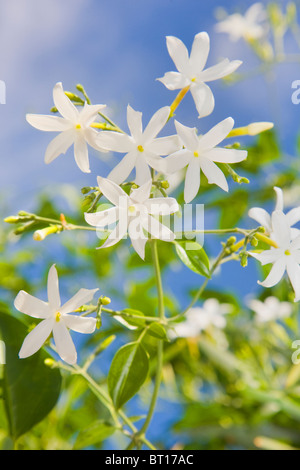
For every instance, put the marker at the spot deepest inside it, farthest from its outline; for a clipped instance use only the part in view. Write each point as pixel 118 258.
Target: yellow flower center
pixel 78 126
pixel 193 79
pixel 196 154
pixel 287 252
pixel 57 316
pixel 131 209
pixel 140 148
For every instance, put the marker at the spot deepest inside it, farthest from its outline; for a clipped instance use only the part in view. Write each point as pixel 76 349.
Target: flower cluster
pixel 139 212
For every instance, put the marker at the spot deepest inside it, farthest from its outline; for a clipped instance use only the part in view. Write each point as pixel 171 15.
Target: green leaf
pixel 195 259
pixel 128 372
pixel 30 388
pixel 140 322
pixel 94 434
pixel 158 331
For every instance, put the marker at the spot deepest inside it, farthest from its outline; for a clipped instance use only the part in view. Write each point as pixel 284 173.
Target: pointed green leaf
pixel 195 259
pixel 30 389
pixel 94 434
pixel 128 372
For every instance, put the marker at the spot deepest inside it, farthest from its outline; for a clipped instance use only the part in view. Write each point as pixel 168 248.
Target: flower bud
pixel 165 184
pixel 12 219
pixel 49 362
pixel 40 235
pixel 244 260
pixel 105 300
pixel 258 127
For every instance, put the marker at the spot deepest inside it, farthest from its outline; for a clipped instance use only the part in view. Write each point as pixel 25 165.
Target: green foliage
pixel 30 388
pixel 127 373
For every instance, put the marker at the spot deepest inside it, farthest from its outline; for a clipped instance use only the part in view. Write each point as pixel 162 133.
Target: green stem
pixel 200 291
pixel 161 314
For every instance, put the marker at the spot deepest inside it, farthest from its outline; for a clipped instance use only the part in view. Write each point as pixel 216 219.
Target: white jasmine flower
pixel 270 309
pixel 200 154
pixel 285 258
pixel 55 318
pixel 191 71
pixel 265 219
pixel 200 318
pixel 134 214
pixel 251 25
pixel 143 149
pixel 74 128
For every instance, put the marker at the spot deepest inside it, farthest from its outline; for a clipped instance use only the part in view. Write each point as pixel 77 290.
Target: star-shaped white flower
pixel 200 154
pixel 55 318
pixel 191 71
pixel 265 219
pixel 135 214
pixel 73 127
pixel 200 318
pixel 285 258
pixel 143 149
pixel 270 309
pixel 251 25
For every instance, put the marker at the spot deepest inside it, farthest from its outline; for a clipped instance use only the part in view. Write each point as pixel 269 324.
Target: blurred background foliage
pixel 235 388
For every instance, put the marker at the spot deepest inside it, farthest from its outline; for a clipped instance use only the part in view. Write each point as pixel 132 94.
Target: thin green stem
pixel 161 314
pixel 200 291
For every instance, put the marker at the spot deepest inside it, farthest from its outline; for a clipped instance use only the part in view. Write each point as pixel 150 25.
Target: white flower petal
pixel 156 123
pixel 220 70
pixel 59 145
pixel 112 191
pixel 36 338
pixel 114 141
pixel 268 256
pixel 199 52
pixel 142 170
pixel 261 216
pixel 213 174
pixel 203 98
pixel 276 273
pixel 188 136
pixel 102 218
pixel 141 194
pixel 91 137
pixel 89 113
pixel 165 145
pixel 134 121
pixel 64 104
pixel 53 289
pixel 178 53
pixel 123 169
pixel 157 229
pixel 31 306
pixel 82 297
pixel 48 123
pixel 116 235
pixel 174 80
pixel 279 199
pixel 293 272
pixel 162 205
pixel 138 241
pixel 293 216
pixel 281 229
pixel 177 161
pixel 192 181
pixel 64 344
pixel 216 134
pixel 79 324
pixel 81 154
pixel 220 155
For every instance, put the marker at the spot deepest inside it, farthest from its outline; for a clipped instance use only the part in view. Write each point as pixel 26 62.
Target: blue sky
pixel 117 50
